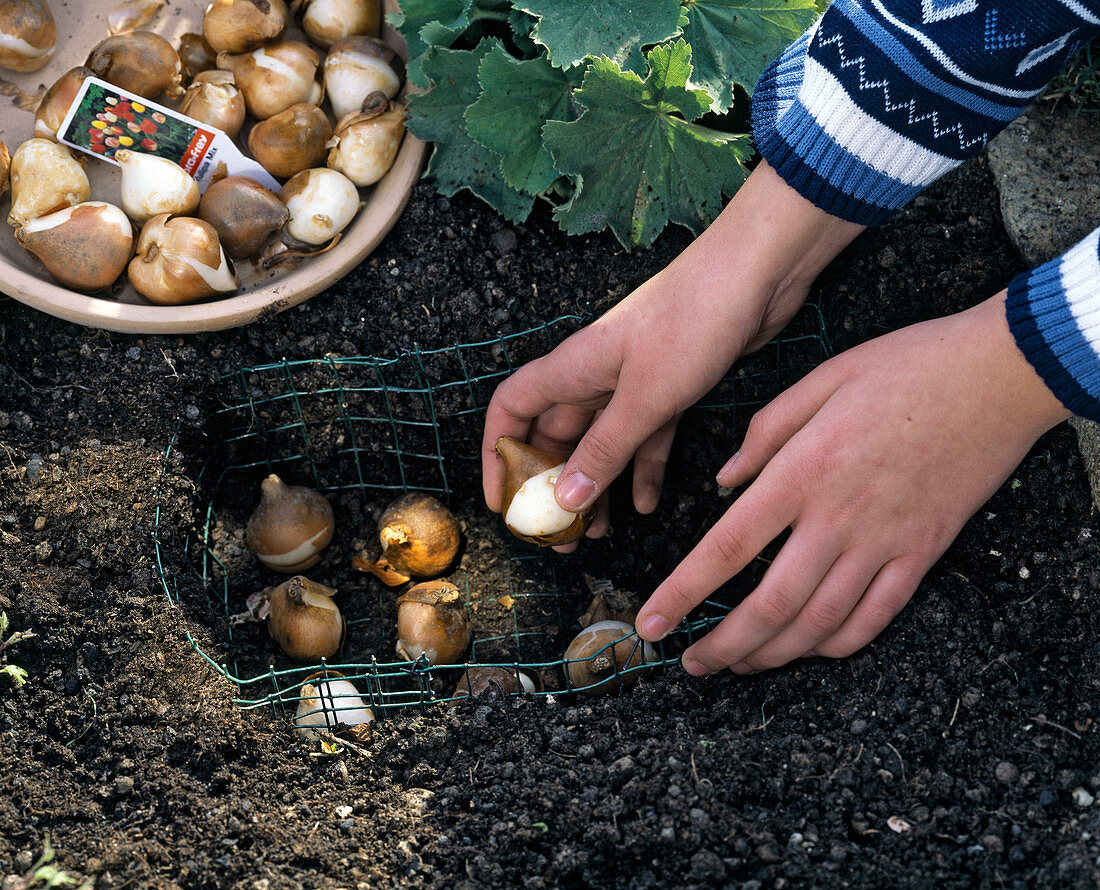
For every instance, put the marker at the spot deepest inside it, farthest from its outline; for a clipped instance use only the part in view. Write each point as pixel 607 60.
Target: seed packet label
pixel 104 119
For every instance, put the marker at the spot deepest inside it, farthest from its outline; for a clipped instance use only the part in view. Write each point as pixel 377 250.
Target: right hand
pixel 615 390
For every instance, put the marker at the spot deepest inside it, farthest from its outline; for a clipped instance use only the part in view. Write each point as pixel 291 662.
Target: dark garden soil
pixel 975 718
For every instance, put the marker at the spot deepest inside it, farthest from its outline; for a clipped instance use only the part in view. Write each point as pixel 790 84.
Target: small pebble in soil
pixel 124 785
pixel 1007 772
pixel 1082 798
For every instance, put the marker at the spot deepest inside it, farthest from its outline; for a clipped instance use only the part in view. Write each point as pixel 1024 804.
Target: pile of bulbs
pixel 420 539
pixel 241 65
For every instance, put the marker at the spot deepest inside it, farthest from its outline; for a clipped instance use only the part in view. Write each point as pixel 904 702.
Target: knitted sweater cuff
pixel 808 159
pixel 1054 314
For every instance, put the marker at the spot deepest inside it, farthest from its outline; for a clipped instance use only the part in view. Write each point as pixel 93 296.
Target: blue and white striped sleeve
pixel 881 97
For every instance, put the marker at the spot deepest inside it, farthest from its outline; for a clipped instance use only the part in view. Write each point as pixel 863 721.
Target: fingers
pixel 787 586
pixel 757 517
pixel 606 448
pixel 774 424
pixel 892 588
pixel 827 609
pixel 649 468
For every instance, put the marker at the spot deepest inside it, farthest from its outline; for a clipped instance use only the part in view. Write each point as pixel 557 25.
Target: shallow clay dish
pixel 80 25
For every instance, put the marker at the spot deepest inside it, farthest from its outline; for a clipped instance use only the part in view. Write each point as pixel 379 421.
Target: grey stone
pixel 1047 169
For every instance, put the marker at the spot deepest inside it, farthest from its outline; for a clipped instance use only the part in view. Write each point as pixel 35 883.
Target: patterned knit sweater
pixel 881 97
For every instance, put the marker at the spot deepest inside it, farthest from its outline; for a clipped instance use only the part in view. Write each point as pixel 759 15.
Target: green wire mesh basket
pixel 363 430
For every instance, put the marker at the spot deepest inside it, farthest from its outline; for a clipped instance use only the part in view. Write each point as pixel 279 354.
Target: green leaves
pixel 458 161
pixel 572 30
pixel 592 105
pixel 639 162
pixel 733 41
pixel 517 99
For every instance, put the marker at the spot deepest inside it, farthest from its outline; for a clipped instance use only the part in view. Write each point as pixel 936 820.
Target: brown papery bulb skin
pixel 214 99
pixel 237 26
pixel 290 528
pixel 523 462
pixel 180 260
pixel 420 539
pixel 245 214
pixel 139 62
pixel 196 55
pixel 326 21
pixel 291 141
pixel 431 621
pixel 304 620
pixel 85 247
pixel 30 35
pixel 57 101
pixel 275 76
pixel 478 679
pixel 5 169
pixel 598 657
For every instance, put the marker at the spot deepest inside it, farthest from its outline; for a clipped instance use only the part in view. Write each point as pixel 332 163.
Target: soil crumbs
pixel 961 749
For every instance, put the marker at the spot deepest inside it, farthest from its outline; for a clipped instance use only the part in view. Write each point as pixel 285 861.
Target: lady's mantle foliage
pixel 591 104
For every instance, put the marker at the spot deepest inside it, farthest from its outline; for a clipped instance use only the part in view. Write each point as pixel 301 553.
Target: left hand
pixel 875 460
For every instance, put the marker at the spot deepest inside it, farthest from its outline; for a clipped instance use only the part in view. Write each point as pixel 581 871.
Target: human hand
pixel 875 461
pixel 615 390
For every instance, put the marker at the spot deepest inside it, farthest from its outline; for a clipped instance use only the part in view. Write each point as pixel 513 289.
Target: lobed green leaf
pixel 458 161
pixel 427 23
pixel 571 30
pixel 639 159
pixel 733 41
pixel 517 99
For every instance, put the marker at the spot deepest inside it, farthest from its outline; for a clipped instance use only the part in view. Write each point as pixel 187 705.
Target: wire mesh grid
pixel 376 427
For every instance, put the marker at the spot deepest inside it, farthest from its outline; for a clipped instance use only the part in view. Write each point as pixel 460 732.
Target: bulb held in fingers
pixel 530 509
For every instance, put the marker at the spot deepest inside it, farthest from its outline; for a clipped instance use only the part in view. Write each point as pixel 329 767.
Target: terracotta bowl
pixel 82 24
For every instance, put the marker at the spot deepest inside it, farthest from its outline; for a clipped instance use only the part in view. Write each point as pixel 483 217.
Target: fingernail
pixel 695 668
pixel 743 669
pixel 574 491
pixel 728 468
pixel 655 628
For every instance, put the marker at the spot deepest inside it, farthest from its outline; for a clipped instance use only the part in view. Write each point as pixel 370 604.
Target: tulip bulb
pixel 138 62
pixel 196 55
pixel 58 99
pixel 131 15
pixel 303 619
pixel 599 656
pixel 327 701
pixel 28 35
pixel 274 77
pixel 236 26
pixel 44 177
pixel 531 511
pixel 290 528
pixel 152 185
pixel 214 99
pixel 366 142
pixel 479 678
pixel 419 537
pixel 85 247
pixel 326 21
pixel 321 203
pixel 357 66
pixel 180 260
pixel 431 621
pixel 291 141
pixel 244 213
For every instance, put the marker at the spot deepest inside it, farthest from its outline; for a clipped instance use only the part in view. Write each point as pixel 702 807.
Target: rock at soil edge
pixel 1047 168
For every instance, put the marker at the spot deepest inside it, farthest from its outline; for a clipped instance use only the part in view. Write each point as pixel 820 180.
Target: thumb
pixel 603 453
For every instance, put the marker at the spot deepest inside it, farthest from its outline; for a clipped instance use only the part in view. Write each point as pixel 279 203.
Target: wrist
pixel 1024 396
